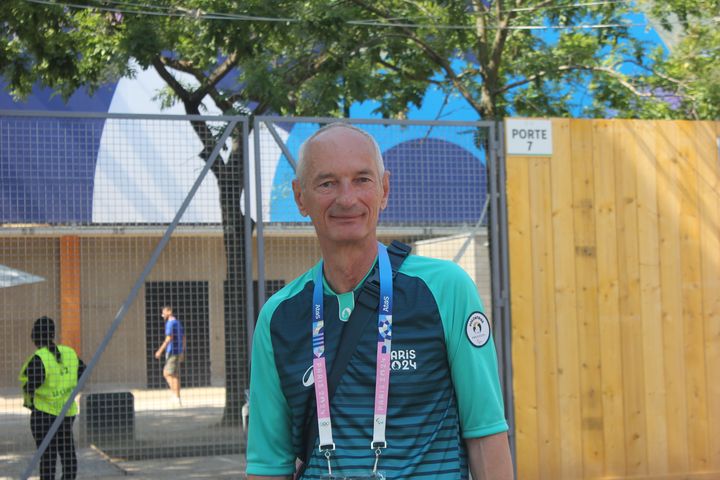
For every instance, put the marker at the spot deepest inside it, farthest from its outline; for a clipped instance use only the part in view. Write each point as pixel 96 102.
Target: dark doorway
pixel 190 305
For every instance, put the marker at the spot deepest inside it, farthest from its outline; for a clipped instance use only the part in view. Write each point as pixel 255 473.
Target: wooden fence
pixel 615 294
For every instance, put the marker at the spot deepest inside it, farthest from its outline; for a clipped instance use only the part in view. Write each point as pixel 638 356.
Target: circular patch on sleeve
pixel 477 329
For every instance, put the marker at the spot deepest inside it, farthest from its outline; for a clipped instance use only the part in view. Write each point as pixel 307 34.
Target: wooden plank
pixel 671 294
pixel 608 297
pixel 657 376
pixel 585 260
pixel 692 301
pixel 571 462
pixel 544 313
pixel 629 284
pixel 523 326
pixel 672 476
pixel 708 137
pixel 650 299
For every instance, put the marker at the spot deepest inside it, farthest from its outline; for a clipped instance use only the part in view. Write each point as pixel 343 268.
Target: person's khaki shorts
pixel 172 365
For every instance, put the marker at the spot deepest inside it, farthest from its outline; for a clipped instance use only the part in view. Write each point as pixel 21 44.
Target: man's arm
pixel 490 457
pixel 162 347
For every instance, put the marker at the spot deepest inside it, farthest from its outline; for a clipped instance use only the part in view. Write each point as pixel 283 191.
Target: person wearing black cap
pixel 48 377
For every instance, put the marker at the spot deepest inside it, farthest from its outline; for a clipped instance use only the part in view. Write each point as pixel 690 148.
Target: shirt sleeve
pixel 169 328
pixel 269 448
pixel 471 353
pixel 35 372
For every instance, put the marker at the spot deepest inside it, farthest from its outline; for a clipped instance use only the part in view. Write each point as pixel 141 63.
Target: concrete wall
pixel 110 267
pixel 21 305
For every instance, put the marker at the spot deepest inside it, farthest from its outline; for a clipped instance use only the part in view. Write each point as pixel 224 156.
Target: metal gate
pixel 446 198
pixel 97 207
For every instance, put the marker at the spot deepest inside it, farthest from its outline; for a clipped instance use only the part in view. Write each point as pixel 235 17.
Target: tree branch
pixel 203 132
pixel 405 74
pixel 621 79
pixel 434 56
pixel 160 64
pixel 207 82
pixel 654 72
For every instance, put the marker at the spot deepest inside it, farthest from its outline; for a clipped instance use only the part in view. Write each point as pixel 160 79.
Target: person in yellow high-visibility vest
pixel 48 377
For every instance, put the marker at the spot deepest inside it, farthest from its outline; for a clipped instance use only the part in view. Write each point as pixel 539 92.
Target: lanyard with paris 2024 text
pixel 382 373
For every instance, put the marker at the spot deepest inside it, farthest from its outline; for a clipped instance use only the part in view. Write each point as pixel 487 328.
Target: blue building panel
pixel 434 182
pixel 47 169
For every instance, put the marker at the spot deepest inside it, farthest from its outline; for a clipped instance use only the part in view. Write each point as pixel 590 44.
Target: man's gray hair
pixel 300 169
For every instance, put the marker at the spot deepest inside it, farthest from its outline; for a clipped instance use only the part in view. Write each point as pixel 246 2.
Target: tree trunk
pixel 230 184
pixel 487 108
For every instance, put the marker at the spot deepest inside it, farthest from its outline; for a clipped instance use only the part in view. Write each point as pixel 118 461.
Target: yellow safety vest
pixel 60 381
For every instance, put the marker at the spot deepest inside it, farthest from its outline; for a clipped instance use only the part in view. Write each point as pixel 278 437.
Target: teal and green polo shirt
pixel 444 384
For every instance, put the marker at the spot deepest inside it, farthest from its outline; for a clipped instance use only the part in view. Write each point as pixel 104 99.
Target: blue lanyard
pixel 386 298
pixel 384 347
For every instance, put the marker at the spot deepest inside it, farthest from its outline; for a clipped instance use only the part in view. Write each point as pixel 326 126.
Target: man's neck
pixel 345 266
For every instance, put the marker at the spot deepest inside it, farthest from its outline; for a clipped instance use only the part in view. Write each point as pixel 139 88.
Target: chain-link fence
pixel 106 219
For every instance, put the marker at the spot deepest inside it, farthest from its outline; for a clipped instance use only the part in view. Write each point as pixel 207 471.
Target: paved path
pixel 161 430
pixel 94 465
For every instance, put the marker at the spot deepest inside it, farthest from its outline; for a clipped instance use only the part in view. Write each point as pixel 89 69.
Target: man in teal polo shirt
pixel 436 409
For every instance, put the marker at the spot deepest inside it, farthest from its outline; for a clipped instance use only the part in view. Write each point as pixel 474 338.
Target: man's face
pixel 166 313
pixel 343 192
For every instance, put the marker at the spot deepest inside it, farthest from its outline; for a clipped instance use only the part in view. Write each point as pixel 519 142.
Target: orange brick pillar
pixel 70 292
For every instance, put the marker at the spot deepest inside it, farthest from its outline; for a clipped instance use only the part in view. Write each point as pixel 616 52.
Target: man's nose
pixel 346 194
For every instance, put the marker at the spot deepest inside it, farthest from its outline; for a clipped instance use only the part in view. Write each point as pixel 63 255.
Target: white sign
pixel 528 137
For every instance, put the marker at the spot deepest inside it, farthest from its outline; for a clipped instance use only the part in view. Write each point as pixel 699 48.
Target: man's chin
pixel 350 237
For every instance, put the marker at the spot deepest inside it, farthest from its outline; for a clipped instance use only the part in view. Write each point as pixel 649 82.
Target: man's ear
pixel 297 193
pixel 386 189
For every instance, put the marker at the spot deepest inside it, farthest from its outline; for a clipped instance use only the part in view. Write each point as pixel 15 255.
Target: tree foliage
pixel 531 57
pixel 251 56
pixel 546 58
pixel 690 74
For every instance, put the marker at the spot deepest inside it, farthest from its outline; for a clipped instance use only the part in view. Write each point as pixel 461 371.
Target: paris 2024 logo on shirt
pixel 401 360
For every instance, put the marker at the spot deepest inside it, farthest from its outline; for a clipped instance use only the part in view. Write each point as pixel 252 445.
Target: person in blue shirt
pixel 443 413
pixel 174 349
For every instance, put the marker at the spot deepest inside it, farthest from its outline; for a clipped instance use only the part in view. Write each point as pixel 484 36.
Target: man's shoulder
pixel 431 268
pixel 289 291
pixel 444 278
